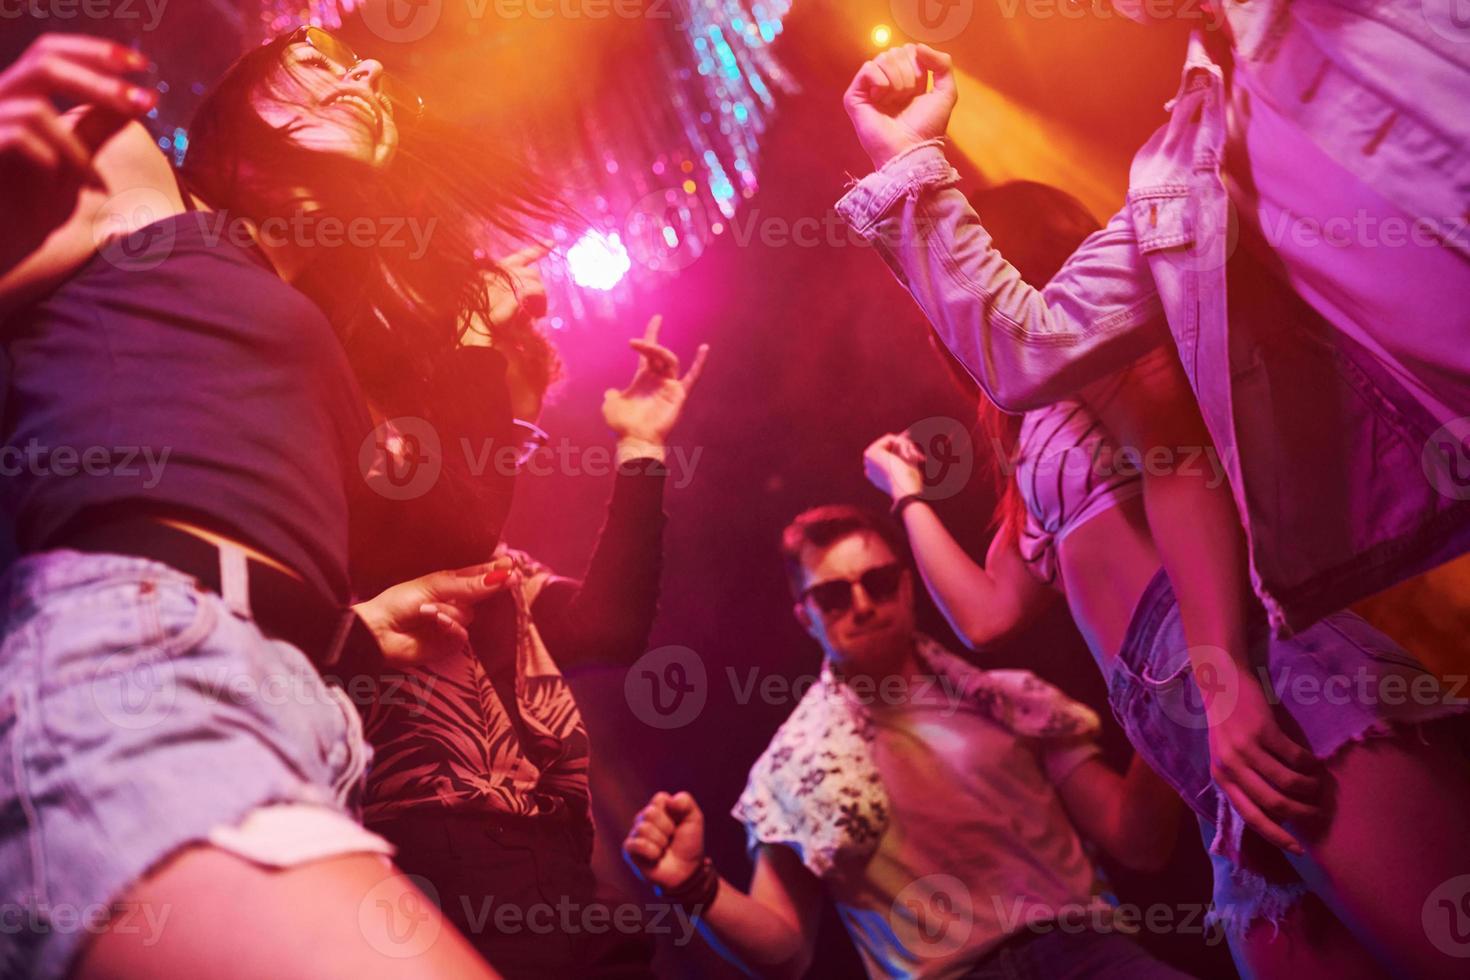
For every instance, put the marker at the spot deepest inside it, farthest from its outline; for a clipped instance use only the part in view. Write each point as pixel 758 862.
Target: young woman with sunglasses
pixel 1336 882
pixel 179 768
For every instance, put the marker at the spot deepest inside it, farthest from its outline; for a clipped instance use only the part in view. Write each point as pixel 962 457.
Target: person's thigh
pixel 1395 840
pixel 216 915
pixel 1309 942
pixel 140 717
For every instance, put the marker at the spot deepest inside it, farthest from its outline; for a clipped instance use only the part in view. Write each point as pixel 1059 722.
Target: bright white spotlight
pixel 598 261
pixel 882 36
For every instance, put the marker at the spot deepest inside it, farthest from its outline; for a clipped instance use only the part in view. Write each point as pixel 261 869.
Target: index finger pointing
pixel 650 332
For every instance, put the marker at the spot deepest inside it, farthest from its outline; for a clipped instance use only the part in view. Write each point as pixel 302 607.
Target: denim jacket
pixel 1346 481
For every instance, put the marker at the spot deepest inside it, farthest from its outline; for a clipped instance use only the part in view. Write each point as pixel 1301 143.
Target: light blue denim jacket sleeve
pixel 1026 347
pixel 1335 463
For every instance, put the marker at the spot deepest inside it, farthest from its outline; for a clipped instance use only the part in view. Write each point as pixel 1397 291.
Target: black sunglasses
pixel 408 106
pixel 834 596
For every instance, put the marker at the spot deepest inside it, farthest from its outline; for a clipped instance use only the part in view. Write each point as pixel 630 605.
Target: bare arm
pixel 61 174
pixel 1197 531
pixel 982 603
pixel 1135 817
pixel 608 617
pixel 771 931
pixel 1192 515
pixel 768 932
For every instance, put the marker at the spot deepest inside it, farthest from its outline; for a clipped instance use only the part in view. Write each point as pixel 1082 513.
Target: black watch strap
pixel 902 504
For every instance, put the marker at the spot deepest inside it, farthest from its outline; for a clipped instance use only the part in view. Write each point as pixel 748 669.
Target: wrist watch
pixel 902 503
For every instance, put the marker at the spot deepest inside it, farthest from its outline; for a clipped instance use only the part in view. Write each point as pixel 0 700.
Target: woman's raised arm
pixel 63 176
pixel 982 603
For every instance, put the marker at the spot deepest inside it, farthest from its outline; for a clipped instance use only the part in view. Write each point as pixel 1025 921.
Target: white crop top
pixel 1068 471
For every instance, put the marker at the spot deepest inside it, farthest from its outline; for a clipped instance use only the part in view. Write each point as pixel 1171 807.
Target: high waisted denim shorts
pixel 1339 682
pixel 139 714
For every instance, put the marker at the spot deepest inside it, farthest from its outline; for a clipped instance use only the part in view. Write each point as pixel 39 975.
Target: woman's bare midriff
pixel 1106 564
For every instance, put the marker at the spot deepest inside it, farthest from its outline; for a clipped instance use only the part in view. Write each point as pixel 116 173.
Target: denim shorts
pixel 139 714
pixel 1338 682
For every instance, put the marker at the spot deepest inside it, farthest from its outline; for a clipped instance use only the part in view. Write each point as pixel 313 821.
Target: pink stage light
pixel 598 261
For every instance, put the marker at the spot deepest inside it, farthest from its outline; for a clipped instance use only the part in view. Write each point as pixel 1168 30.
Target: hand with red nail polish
pixel 47 157
pixel 429 617
pixel 65 69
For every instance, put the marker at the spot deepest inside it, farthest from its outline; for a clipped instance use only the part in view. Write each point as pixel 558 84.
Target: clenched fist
pixel 890 103
pixel 895 464
pixel 666 844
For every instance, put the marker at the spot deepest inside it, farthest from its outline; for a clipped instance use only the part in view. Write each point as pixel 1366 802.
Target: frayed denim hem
pixel 1252 898
pixel 1241 896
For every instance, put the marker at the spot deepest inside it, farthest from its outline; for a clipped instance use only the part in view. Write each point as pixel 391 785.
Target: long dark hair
pixel 397 311
pixel 1036 227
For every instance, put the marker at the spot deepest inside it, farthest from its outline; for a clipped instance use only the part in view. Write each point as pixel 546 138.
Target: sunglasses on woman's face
pixel 408 107
pixel 834 596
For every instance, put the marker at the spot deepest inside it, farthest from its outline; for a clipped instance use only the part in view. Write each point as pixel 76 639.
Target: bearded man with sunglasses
pixel 481 765
pixel 940 806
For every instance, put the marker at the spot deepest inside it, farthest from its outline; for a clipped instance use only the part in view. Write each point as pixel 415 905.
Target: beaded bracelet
pixel 695 893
